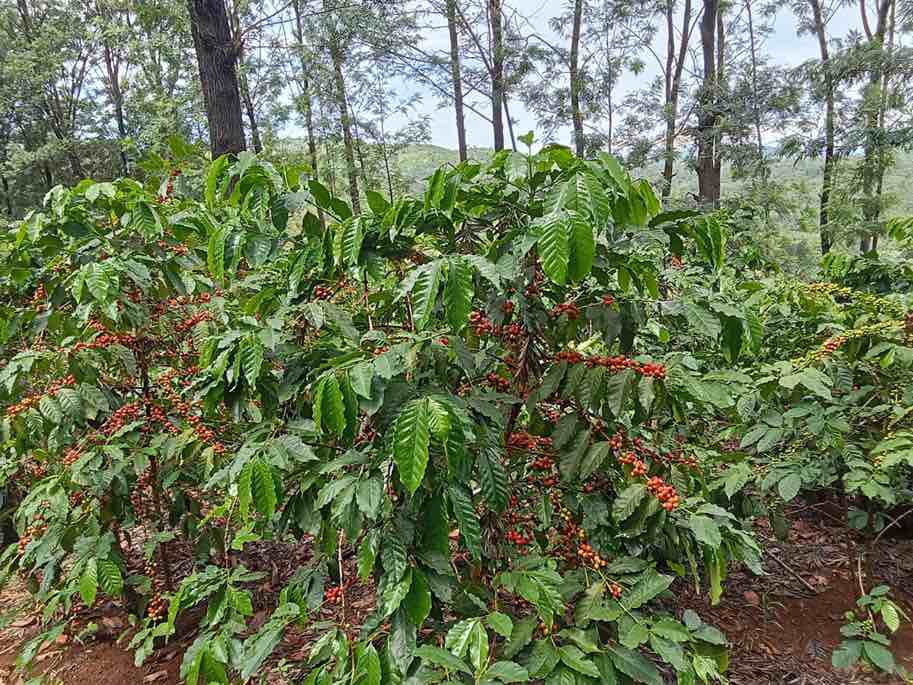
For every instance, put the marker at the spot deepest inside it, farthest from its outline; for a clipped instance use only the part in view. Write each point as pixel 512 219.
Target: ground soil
pixel 782 626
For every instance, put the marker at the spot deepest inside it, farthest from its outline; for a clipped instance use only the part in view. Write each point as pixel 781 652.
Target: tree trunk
pixel 871 208
pixel 7 197
pixel 345 122
pixel 249 106
pixel 754 80
pixel 575 78
pixel 112 69
pixel 457 79
pixel 216 59
pixel 708 181
pixel 306 104
pixel 497 73
pixel 827 176
pixel 675 64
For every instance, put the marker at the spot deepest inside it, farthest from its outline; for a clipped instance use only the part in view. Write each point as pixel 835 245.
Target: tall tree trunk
pixel 675 64
pixel 827 176
pixel 708 182
pixel 7 197
pixel 216 58
pixel 345 122
pixel 457 79
pixel 883 113
pixel 112 69
pixel 497 73
pixel 249 106
pixel 575 78
pixel 756 105
pixel 306 104
pixel 871 208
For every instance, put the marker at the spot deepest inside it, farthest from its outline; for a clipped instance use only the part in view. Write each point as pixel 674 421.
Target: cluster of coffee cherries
pixel 664 492
pixel 496 382
pixel 534 289
pixel 638 467
pixel 140 496
pixel 185 409
pixel 608 300
pixel 157 607
pixel 613 363
pixel 191 321
pixel 590 556
pixel 518 539
pixel 481 325
pixel 105 340
pixel 71 456
pixel 333 594
pixel 39 297
pixel 571 310
pixel 169 188
pixel 76 498
pixel 33 531
pixel 615 590
pixel 366 435
pixel 178 249
pixel 127 413
pixel 322 293
pixel 32 400
pixel 528 441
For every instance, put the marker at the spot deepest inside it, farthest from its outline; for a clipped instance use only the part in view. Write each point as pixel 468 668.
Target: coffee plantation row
pixel 526 405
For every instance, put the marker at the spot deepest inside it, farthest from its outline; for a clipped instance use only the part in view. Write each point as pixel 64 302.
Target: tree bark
pixel 112 70
pixel 708 180
pixel 345 122
pixel 827 176
pixel 249 106
pixel 457 79
pixel 871 205
pixel 497 73
pixel 217 61
pixel 675 64
pixel 575 78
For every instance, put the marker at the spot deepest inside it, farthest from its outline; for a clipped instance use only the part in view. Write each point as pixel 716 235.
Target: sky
pixel 783 46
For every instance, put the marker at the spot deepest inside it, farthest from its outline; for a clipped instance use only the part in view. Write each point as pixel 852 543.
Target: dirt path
pixel 781 632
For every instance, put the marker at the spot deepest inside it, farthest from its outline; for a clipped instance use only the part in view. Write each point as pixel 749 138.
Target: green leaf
pixel 367 665
pixel 252 360
pixel 442 658
pixel 411 439
pixel 418 602
pixel 213 175
pixel 424 293
pixel 879 655
pixel 395 593
pixel 332 406
pixel 649 586
pixel 594 458
pixel 507 672
pixel 543 659
pixel 669 651
pixel 88 582
pixel 628 500
pixel 263 488
pixel 582 247
pixel 465 513
pixel 846 654
pixel 890 617
pixel 458 292
pixel 520 636
pixel 554 251
pixel 215 254
pixel 350 238
pixel 789 486
pixel 634 665
pixel 367 554
pixel 500 623
pixel 459 636
pixel 50 409
pixel 493 480
pixel 670 629
pixel 110 578
pixel 573 658
pixel 705 530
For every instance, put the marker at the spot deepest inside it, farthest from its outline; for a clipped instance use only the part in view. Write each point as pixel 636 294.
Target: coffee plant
pixel 523 404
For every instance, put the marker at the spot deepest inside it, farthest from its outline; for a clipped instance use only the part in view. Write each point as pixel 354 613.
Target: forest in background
pixel 93 88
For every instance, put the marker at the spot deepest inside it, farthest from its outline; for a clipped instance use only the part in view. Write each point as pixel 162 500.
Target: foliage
pixel 513 399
